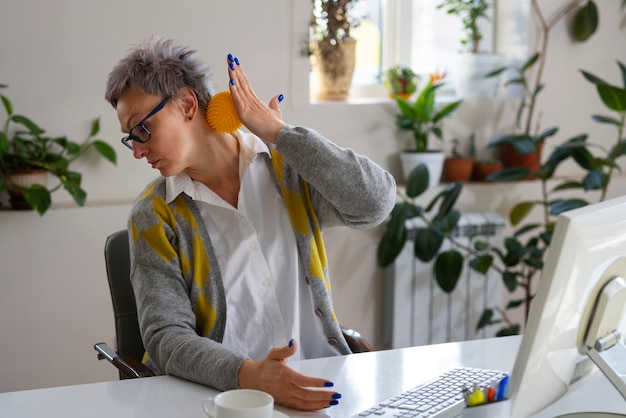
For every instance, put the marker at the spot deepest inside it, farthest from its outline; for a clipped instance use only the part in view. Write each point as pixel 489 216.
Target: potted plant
pixel 423 118
pixel 26 154
pixel 401 81
pixel 458 167
pixel 521 150
pixel 332 47
pixel 474 62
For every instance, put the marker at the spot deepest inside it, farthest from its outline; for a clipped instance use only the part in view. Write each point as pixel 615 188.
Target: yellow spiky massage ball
pixel 221 113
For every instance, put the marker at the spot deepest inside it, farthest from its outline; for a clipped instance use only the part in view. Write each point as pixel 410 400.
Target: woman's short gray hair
pixel 161 67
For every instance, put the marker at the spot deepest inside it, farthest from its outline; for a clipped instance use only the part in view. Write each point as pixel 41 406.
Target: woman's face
pixel 165 149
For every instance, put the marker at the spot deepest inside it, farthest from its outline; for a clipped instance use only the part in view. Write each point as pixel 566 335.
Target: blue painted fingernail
pixel 332 403
pixel 328 384
pixel 232 67
pixel 232 81
pixel 230 57
pixel 236 60
pixel 281 98
pixel 336 395
pixel 290 342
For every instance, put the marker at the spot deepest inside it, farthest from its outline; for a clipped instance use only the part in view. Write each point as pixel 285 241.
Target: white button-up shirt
pixel 268 301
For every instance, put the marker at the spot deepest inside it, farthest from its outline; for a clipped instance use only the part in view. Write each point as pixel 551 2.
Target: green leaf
pixel 613 97
pixel 585 21
pixel 519 212
pixel 510 174
pixel 105 150
pixel 480 245
pixel 505 332
pixel 393 240
pixel 526 228
pixel 452 192
pixel 448 222
pixel 485 319
pixel 515 303
pixel 530 62
pixel 38 197
pixel 428 241
pixel 448 267
pixel 95 128
pixel 568 185
pixel 594 180
pixel 32 127
pixel 447 110
pixel 606 119
pixel 510 281
pixel 481 263
pixel 622 67
pixel 562 205
pixel 418 181
pixel 78 194
pixel 7 105
pixel 593 79
pixel 4 143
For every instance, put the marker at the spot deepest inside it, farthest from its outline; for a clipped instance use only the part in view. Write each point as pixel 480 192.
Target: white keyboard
pixel 440 397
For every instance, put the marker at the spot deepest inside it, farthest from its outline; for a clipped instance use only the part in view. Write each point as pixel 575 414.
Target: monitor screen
pixel 587 250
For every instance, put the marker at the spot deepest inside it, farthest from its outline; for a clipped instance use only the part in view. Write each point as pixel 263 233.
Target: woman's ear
pixel 188 102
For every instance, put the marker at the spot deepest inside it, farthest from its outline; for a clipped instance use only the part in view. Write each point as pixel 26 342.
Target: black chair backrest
pixel 117 259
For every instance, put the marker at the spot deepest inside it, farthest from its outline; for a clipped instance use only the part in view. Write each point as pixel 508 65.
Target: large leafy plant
pixel 520 258
pixel 24 145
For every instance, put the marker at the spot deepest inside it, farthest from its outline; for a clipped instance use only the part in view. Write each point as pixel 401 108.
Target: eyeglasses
pixel 139 132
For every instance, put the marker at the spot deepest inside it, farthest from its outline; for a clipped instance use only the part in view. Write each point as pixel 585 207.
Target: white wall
pixel 55 55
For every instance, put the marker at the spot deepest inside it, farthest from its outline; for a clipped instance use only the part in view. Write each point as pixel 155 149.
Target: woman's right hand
pixel 288 387
pixel 263 120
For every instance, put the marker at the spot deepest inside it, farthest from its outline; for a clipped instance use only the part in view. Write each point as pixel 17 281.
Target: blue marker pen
pixel 502 386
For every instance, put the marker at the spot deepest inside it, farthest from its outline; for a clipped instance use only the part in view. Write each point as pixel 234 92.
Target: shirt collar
pixel 249 147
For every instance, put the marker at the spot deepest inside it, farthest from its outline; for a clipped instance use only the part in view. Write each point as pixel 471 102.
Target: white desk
pixel 362 379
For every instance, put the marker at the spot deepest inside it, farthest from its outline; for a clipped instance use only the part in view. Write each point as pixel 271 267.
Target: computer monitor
pixel 588 250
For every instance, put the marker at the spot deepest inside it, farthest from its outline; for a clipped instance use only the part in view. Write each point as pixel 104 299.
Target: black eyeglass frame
pixel 127 140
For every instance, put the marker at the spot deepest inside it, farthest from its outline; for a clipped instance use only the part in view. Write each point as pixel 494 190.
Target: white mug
pixel 239 403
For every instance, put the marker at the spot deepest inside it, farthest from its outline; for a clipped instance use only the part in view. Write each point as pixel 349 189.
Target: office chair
pixel 130 347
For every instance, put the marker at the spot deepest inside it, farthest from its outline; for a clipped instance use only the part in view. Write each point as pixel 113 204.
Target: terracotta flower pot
pixel 511 158
pixel 483 169
pixel 457 169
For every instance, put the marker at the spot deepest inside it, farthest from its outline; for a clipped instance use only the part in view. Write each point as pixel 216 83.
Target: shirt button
pixel 332 341
pixel 252 245
pixel 276 318
pixel 265 283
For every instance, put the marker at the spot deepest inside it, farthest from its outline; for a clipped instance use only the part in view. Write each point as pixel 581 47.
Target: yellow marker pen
pixel 477 397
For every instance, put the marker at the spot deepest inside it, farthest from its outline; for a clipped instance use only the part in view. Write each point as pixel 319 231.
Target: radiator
pixel 418 312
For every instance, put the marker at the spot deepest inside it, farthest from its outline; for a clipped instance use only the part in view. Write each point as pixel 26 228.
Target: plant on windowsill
pixel 424 118
pixel 26 154
pixel 401 82
pixel 473 63
pixel 332 48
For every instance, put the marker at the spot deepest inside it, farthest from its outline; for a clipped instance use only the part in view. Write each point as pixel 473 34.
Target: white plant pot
pixel 469 71
pixel 432 159
pixel 26 178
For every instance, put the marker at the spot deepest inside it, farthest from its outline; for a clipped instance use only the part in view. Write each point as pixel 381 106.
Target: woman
pixel 227 258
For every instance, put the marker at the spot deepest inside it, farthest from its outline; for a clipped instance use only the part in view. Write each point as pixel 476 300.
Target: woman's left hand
pixel 263 120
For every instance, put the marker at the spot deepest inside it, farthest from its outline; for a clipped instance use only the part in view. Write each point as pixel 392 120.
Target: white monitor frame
pixel 587 251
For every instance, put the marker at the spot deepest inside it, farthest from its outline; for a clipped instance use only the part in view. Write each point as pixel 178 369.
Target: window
pixel 415 33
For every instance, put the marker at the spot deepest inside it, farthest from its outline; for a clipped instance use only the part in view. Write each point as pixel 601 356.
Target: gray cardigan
pixel 175 275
